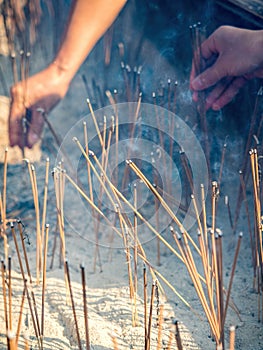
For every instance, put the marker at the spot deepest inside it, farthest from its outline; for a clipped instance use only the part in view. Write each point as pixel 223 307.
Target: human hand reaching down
pixel 237 56
pixel 88 21
pixel 40 93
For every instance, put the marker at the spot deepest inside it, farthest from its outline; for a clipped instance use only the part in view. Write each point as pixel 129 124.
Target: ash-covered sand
pixel 109 305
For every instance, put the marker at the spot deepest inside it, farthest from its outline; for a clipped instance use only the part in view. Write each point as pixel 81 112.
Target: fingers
pixel 217 91
pixel 227 95
pixel 35 127
pixel 210 76
pixel 17 111
pixel 23 131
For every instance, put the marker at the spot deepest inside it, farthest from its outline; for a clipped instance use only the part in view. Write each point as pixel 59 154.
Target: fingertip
pixel 32 139
pixel 195 96
pixel 216 107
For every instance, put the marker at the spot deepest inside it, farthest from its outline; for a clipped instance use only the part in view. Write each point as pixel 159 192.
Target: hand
pixel 237 55
pixel 40 93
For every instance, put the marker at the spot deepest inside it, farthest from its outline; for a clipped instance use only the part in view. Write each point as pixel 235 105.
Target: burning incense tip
pixel 169 81
pixel 153 95
pixel 47 226
pixel 11 224
pixel 232 328
pixel 75 139
pixel 91 153
pixel 240 234
pixel 226 200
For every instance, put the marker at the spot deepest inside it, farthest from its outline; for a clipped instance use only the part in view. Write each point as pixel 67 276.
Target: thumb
pixel 210 76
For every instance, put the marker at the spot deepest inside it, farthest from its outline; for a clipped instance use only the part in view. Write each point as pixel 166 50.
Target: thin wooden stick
pixel 229 212
pixel 150 318
pixel 178 336
pixel 20 227
pixel 34 316
pixel 232 330
pixel 187 170
pixel 222 165
pixel 145 306
pixel 96 227
pixel 10 323
pixel 11 340
pixel 95 122
pixel 44 283
pixel 72 304
pixel 85 308
pixel 20 315
pixel 243 186
pixel 3 269
pixel 135 259
pixel 232 276
pixel 3 213
pixel 45 200
pixel 160 328
pixel 124 231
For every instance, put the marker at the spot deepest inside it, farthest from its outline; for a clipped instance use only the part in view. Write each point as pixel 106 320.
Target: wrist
pixel 61 72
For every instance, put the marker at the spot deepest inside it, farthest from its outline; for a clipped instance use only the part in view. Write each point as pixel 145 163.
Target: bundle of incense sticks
pixel 197 35
pixel 212 261
pixel 255 130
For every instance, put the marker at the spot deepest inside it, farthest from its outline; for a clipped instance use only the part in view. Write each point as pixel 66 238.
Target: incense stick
pixel 10 293
pixel 145 306
pixel 85 308
pixel 44 283
pixel 178 336
pixel 232 338
pixel 150 318
pixel 3 269
pixel 72 304
pixel 20 315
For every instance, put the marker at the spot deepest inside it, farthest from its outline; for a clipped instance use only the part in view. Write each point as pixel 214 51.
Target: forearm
pixel 88 22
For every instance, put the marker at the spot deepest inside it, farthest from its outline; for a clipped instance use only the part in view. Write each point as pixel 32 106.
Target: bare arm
pixel 88 21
